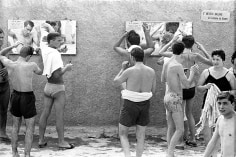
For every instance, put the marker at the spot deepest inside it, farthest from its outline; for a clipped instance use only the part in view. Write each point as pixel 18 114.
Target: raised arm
pixel 207 59
pixel 122 75
pixel 121 51
pixel 149 43
pixel 6 50
pixel 163 52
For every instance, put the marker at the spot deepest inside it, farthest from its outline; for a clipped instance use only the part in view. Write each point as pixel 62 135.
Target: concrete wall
pixel 91 97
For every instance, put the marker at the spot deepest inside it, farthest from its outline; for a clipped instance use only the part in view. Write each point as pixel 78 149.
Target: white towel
pixel 51 60
pixel 132 47
pixel 135 96
pixel 210 110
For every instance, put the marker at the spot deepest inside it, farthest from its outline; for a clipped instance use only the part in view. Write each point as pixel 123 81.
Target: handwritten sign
pixel 215 16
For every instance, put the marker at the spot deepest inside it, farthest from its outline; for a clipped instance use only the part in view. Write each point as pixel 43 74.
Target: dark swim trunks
pixel 135 113
pixel 23 104
pixel 188 93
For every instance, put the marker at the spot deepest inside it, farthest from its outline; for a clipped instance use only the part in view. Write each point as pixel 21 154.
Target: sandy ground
pixel 99 142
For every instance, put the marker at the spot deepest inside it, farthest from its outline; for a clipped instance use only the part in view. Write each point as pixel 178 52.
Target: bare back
pixel 140 78
pixel 21 75
pixel 173 75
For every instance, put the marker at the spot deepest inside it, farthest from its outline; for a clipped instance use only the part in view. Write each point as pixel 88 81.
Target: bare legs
pixel 30 123
pixel 140 135
pixel 174 119
pixel 123 133
pixel 191 121
pixel 59 102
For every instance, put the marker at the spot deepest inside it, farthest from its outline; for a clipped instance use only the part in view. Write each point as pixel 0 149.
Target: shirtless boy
pixel 133 38
pixel 225 127
pixel 141 83
pixel 173 75
pixel 22 98
pixel 54 91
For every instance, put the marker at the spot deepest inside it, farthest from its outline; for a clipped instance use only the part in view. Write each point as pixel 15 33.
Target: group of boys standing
pixel 140 86
pixel 22 99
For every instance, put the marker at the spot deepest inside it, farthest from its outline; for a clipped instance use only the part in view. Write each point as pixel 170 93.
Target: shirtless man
pixel 173 76
pixel 4 96
pixel 140 85
pixel 54 91
pixel 225 127
pixel 22 98
pixel 27 36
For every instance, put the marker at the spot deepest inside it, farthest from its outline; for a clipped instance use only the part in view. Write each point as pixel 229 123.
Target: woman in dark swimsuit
pixel 218 75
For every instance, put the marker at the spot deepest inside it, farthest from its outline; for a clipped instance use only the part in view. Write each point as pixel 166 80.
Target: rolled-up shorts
pixel 135 113
pixel 23 104
pixel 173 102
pixel 51 89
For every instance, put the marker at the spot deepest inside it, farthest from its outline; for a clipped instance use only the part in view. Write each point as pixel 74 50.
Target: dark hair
pixel 1 31
pixel 188 41
pixel 233 57
pixel 219 53
pixel 28 22
pixel 138 54
pixel 26 51
pixel 52 36
pixel 133 38
pixel 178 48
pixel 225 95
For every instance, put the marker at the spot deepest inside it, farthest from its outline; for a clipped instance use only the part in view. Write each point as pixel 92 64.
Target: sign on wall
pixel 34 33
pixel 160 30
pixel 215 16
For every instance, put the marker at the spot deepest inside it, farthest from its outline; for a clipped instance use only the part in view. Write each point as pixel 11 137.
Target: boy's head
pixel 138 54
pixel 54 40
pixel 178 48
pixel 188 41
pixel 225 103
pixel 26 52
pixel 133 38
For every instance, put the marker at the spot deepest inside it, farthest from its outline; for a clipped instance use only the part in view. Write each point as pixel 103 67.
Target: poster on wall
pixel 34 33
pixel 159 29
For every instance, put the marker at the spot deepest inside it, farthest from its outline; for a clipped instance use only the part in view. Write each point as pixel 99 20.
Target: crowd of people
pixel 180 73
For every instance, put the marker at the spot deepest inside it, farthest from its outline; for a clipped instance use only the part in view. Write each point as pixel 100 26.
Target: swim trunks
pixel 52 89
pixel 173 102
pixel 188 93
pixel 23 104
pixel 135 113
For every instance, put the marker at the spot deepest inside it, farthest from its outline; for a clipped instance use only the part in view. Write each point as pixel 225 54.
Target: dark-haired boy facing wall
pixel 173 76
pixel 22 98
